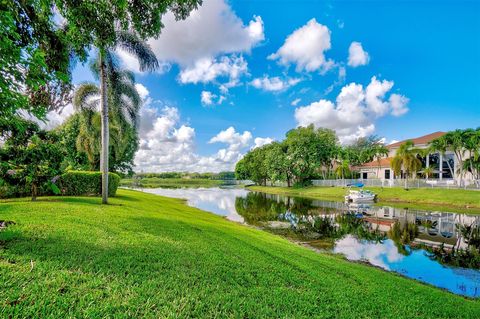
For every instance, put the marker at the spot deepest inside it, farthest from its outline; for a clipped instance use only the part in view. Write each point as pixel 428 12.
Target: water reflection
pixel 439 248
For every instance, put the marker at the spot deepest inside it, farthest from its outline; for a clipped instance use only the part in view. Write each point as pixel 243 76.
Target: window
pixel 365 175
pixel 387 174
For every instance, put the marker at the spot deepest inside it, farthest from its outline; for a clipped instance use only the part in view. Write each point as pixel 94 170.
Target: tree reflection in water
pixel 300 219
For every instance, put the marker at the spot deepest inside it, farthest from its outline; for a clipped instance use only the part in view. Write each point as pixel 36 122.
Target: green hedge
pixel 84 183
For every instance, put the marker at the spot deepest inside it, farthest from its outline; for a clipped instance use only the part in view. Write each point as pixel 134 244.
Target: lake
pixel 430 246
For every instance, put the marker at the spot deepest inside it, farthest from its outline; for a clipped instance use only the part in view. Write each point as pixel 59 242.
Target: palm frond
pixel 83 96
pixel 132 44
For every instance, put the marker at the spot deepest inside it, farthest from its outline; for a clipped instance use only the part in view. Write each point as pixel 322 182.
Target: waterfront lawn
pixel 457 200
pixel 150 256
pixel 154 182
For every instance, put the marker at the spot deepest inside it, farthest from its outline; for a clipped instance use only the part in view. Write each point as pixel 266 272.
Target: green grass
pixel 150 256
pixel 457 200
pixel 153 182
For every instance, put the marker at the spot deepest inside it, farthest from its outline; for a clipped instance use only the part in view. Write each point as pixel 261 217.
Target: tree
pixel 35 52
pixel 343 170
pixel 471 142
pixel 116 96
pixel 35 162
pixel 123 106
pixel 36 58
pixel 406 159
pixel 441 145
pixel 278 165
pixel 309 149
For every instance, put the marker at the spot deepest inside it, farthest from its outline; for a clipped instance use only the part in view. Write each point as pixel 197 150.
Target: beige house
pixel 445 165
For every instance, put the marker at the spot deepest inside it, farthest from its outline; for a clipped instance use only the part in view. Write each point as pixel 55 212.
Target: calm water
pixel 416 244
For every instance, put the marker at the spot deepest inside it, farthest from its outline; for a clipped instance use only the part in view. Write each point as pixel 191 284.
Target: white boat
pixel 360 196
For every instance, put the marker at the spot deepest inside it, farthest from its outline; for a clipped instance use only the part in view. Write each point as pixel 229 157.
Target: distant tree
pixel 343 170
pixel 441 145
pixel 278 164
pixel 309 149
pixel 406 159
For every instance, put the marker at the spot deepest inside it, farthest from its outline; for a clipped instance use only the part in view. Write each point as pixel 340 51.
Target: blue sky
pixel 253 59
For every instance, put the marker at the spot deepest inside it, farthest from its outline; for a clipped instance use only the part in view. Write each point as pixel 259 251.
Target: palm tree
pixel 343 169
pixel 379 151
pixel 441 145
pixel 455 140
pixel 114 85
pixel 471 143
pixel 406 158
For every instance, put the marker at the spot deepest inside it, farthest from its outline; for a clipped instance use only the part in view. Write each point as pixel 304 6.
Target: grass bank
pixel 154 182
pixel 150 256
pixel 458 200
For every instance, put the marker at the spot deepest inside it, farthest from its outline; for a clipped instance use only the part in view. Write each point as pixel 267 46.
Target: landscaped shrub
pixel 81 183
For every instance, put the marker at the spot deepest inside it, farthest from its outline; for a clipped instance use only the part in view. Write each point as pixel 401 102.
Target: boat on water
pixel 359 196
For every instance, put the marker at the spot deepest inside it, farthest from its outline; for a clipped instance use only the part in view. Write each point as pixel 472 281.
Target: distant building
pixel 445 165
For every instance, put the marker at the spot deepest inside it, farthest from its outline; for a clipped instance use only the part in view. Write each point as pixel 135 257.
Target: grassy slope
pixel 153 182
pixel 151 256
pixel 455 199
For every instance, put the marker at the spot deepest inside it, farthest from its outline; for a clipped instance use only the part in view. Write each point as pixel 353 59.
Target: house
pixel 445 165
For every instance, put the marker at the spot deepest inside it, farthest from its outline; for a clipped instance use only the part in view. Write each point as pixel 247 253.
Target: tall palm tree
pixel 455 140
pixel 114 85
pixel 471 143
pixel 406 158
pixel 441 145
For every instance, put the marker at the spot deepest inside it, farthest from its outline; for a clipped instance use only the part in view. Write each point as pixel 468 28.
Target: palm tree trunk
pixel 105 137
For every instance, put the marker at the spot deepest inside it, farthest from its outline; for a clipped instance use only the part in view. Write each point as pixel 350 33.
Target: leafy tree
pixel 35 162
pixel 309 149
pixel 406 159
pixel 36 58
pixel 278 164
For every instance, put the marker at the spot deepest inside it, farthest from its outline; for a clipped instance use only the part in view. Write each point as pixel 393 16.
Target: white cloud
pixel 261 141
pixel 208 70
pixel 355 110
pixel 295 102
pixel 142 90
pixel 234 139
pixel 356 55
pixel 52 119
pixel 207 97
pixel 213 29
pixel 305 48
pixel 399 104
pixel 168 145
pixel 202 43
pixel 273 84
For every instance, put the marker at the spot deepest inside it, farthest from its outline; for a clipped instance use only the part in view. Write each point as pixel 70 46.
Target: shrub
pixel 85 183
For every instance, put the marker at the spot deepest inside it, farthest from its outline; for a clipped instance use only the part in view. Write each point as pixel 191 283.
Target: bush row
pixel 71 183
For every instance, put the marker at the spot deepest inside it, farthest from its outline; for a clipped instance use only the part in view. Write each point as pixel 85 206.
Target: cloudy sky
pixel 239 74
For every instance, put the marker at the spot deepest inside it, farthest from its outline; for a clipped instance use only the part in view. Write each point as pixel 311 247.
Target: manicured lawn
pixel 458 200
pixel 152 182
pixel 149 256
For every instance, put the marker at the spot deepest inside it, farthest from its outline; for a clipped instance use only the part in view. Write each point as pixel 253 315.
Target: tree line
pixel 307 153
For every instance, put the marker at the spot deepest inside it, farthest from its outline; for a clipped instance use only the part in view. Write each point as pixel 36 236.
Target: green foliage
pixel 35 60
pixel 85 183
pixel 406 159
pixel 304 154
pixel 31 160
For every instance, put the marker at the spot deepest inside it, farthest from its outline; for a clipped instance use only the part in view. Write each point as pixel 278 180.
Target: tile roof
pixel 419 140
pixel 384 162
